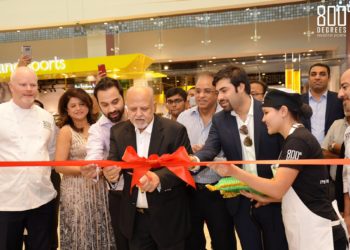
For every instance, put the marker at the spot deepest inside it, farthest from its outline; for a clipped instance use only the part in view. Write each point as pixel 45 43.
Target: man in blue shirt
pixel 206 206
pixel 326 107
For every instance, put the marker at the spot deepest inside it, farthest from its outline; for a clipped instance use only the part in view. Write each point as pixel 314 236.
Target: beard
pixel 115 116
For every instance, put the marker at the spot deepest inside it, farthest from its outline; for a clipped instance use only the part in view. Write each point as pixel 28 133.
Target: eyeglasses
pixel 206 91
pixel 175 101
pixel 248 142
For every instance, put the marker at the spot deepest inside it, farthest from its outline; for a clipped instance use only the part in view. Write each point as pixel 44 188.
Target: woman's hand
pixel 262 200
pixel 224 169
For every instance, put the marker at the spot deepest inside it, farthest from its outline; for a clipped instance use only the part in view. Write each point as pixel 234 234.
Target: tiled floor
pixel 208 246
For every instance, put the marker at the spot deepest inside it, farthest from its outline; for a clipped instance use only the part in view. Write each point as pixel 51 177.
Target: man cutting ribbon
pixel 156 214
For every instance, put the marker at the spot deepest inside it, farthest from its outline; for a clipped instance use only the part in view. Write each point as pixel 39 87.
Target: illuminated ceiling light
pixel 263 61
pixel 210 61
pixel 170 60
pixel 200 66
pixel 214 57
pixel 263 74
pixel 90 78
pixel 308 54
pixel 60 27
pixel 311 50
pixel 259 54
pixel 105 23
pixel 166 67
pixel 18 31
pixel 261 57
pixel 243 63
pixel 233 59
pixel 294 59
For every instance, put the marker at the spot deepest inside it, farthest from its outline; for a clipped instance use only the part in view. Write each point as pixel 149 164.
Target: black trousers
pixel 56 181
pixel 210 208
pixel 142 238
pixel 38 223
pixel 258 228
pixel 114 210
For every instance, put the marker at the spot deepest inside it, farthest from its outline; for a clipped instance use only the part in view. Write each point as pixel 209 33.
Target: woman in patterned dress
pixel 84 217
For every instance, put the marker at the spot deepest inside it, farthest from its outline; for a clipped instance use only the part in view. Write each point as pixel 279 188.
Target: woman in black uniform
pixel 310 219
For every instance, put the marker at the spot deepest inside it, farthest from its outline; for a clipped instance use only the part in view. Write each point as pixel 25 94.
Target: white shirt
pixel 248 153
pixel 97 146
pixel 346 170
pixel 142 143
pixel 25 135
pixel 335 134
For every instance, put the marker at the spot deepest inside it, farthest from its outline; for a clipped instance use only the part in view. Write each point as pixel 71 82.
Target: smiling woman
pixel 83 202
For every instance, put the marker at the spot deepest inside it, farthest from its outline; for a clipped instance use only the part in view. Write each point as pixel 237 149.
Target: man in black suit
pixel 239 131
pixel 156 214
pixel 325 104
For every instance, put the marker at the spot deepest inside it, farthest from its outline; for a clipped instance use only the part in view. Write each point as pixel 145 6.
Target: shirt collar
pixel 323 96
pixel 195 109
pixel 148 129
pixel 250 111
pixel 16 107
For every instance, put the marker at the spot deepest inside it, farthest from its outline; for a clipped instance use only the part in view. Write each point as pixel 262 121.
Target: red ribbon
pixel 177 162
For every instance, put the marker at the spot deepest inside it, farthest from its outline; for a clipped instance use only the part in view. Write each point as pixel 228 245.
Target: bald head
pixel 140 108
pixel 22 71
pixel 24 87
pixel 143 92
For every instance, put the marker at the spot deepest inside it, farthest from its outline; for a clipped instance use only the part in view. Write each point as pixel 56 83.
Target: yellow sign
pixel 129 66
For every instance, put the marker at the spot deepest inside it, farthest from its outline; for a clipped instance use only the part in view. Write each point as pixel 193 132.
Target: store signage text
pixel 46 65
pixel 331 20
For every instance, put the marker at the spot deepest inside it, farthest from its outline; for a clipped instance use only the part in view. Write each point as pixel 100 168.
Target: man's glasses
pixel 175 101
pixel 248 142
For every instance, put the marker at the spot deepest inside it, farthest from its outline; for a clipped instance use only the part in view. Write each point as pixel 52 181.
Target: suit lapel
pixel 328 110
pixel 258 115
pixel 156 137
pixel 234 134
pixel 130 137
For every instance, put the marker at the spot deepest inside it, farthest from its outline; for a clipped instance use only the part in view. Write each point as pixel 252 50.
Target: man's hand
pixel 112 173
pixel 24 60
pixel 100 76
pixel 225 169
pixel 196 147
pixel 89 171
pixel 149 182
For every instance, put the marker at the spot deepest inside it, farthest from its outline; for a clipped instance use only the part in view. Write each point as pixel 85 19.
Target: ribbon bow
pixel 177 162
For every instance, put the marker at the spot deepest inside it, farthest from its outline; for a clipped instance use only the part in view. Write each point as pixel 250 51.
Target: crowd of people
pixel 224 117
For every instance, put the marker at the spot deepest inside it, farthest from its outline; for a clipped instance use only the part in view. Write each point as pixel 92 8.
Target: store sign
pixel 331 20
pixel 45 66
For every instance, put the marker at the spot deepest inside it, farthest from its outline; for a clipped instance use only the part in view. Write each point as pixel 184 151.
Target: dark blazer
pixel 334 110
pixel 224 133
pixel 169 211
